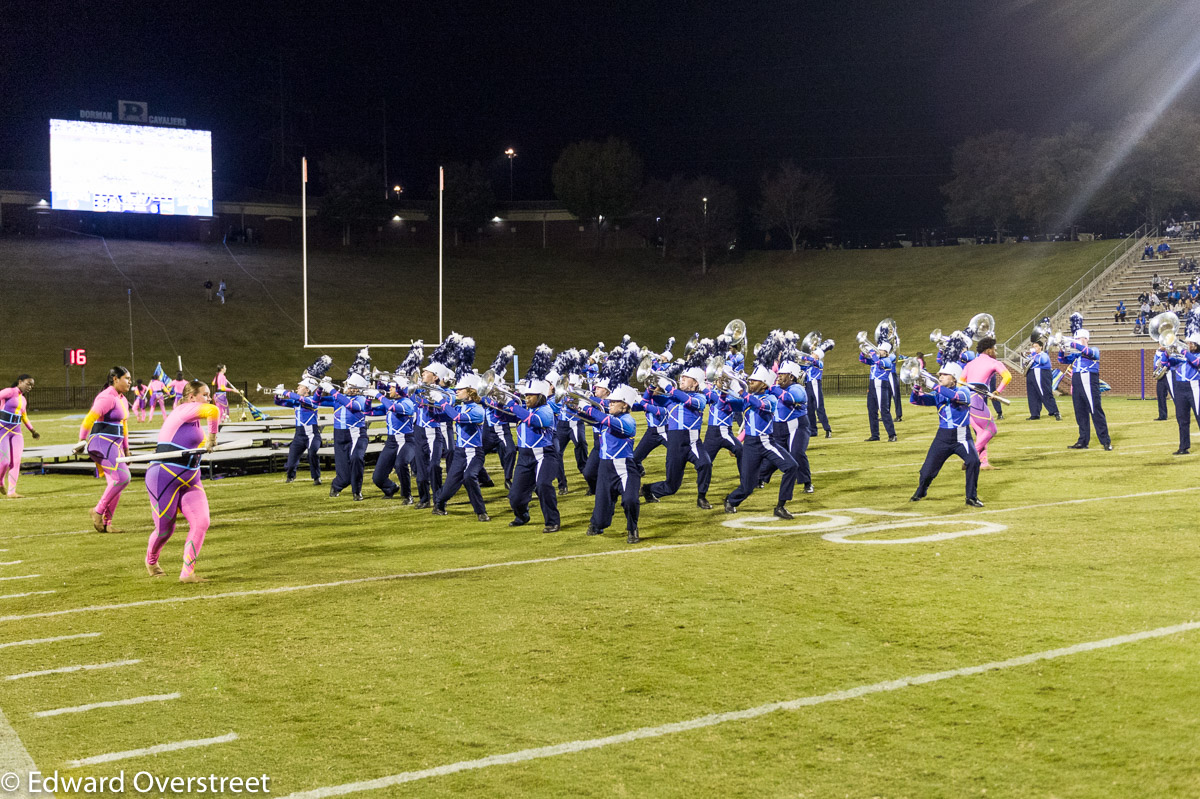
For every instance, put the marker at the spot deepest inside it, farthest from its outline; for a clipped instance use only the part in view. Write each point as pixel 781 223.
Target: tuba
pixel 981 326
pixel 717 372
pixel 887 331
pixel 811 342
pixel 1164 328
pixel 736 330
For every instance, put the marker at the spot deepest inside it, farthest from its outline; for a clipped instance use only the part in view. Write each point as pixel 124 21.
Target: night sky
pixel 873 94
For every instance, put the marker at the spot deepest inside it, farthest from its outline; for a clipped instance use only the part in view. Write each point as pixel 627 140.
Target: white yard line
pixel 571 747
pixel 151 750
pixel 27 593
pixel 15 759
pixel 71 669
pixel 34 641
pixel 10 562
pixel 287 589
pixel 137 700
pixel 22 577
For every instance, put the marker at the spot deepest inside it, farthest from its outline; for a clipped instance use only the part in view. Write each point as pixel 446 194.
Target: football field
pixel 1047 644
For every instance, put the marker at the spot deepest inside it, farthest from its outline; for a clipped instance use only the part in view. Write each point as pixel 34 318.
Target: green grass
pixel 335 685
pixel 66 293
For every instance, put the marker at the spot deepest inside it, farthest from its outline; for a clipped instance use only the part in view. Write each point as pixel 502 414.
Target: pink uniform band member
pixel 106 430
pixel 175 486
pixel 980 370
pixel 156 391
pixel 12 441
pixel 221 384
pixel 176 388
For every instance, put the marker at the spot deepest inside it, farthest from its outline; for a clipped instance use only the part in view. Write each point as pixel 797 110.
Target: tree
pixel 598 180
pixel 988 173
pixel 351 186
pixel 469 199
pixel 1160 171
pixel 707 218
pixel 795 201
pixel 1057 171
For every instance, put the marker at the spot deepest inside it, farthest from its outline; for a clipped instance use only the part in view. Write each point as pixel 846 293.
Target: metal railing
pixel 67 398
pixel 1105 268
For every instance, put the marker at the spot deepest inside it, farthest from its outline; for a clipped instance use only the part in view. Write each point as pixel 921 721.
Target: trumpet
pixel 646 373
pixel 261 389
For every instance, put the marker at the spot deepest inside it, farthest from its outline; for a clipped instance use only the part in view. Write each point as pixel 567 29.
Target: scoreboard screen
pixel 98 166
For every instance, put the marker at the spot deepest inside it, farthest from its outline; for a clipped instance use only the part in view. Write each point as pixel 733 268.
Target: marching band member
pixel 175 389
pixel 569 428
pixel 13 405
pixel 350 425
pixel 685 413
pixel 1164 386
pixel 789 430
pixel 399 448
pixel 656 418
pixel 894 383
pixel 879 392
pixel 953 436
pixel 155 391
pixel 1185 372
pixel 174 481
pixel 1038 383
pixel 982 370
pixel 431 438
pixel 468 417
pixel 759 415
pixel 617 474
pixel 307 436
pixel 719 434
pixel 536 454
pixel 497 433
pixel 1085 386
pixel 141 398
pixel 106 430
pixel 221 387
pixel 815 372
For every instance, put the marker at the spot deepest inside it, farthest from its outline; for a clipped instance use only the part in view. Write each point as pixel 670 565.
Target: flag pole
pixel 304 237
pixel 441 242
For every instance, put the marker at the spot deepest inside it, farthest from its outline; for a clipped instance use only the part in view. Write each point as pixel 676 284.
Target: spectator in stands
pixel 1154 301
pixel 1119 316
pixel 1155 283
pixel 208 290
pixel 1148 253
pixel 1139 324
pixel 1164 250
pixel 1145 309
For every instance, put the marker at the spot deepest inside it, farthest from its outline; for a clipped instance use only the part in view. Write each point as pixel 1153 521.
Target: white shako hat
pixel 951 369
pixel 626 394
pixel 538 387
pixel 792 368
pixel 763 375
pixel 696 373
pixel 1082 333
pixel 469 380
pixel 356 380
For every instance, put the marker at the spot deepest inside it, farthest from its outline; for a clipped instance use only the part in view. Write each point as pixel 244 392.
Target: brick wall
pixel 1121 369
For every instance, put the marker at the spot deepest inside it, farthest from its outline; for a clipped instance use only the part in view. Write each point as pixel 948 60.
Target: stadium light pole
pixel 511 153
pixel 304 238
pixel 441 242
pixel 704 240
pixel 129 294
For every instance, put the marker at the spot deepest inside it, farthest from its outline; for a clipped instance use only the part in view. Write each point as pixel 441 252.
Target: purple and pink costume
pixel 106 429
pixel 155 391
pixel 220 398
pixel 174 482
pixel 12 440
pixel 980 370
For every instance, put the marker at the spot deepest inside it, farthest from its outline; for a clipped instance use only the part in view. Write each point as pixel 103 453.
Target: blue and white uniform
pixel 537 462
pixel 307 438
pixel 617 475
pixel 815 375
pixel 789 431
pixel 722 409
pixel 879 394
pixel 350 426
pixel 1085 392
pixel 400 450
pixel 1185 374
pixel 468 419
pixel 1164 387
pixel 758 422
pixel 431 441
pixel 1039 389
pixel 953 436
pixel 685 414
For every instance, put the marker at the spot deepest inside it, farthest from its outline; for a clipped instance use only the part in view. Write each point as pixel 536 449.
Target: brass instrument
pixel 1040 335
pixel 887 331
pixel 811 342
pixel 910 372
pixel 721 374
pixel 1164 328
pixel 646 373
pixel 982 326
pixel 261 389
pixel 494 388
pixel 736 330
pixel 691 344
pixel 865 345
pixel 433 393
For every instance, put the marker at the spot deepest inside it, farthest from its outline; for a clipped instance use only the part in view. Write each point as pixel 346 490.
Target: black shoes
pixel 591 492
pixel 483 517
pixel 334 492
pixel 389 494
pixel 423 505
pixel 1058 417
pixel 1108 447
pixel 1032 418
pixel 406 501
pixel 507 483
pixel 1077 445
pixel 703 504
pixel 1181 452
pixel 439 511
pixel 291 478
pixel 1161 419
pixel 648 495
pixel 317 482
pixel 872 438
pixel 783 513
pixel 829 434
pixel 550 528
pixel 892 439
pixel 808 488
pixel 358 497
pixel 974 502
pixel 562 490
pixel 730 507
pixel 917 497
pixel 633 537
pixel 518 522
pixel 594 530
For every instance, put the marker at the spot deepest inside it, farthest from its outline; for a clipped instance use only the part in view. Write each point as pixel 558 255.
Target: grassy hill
pixel 68 293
